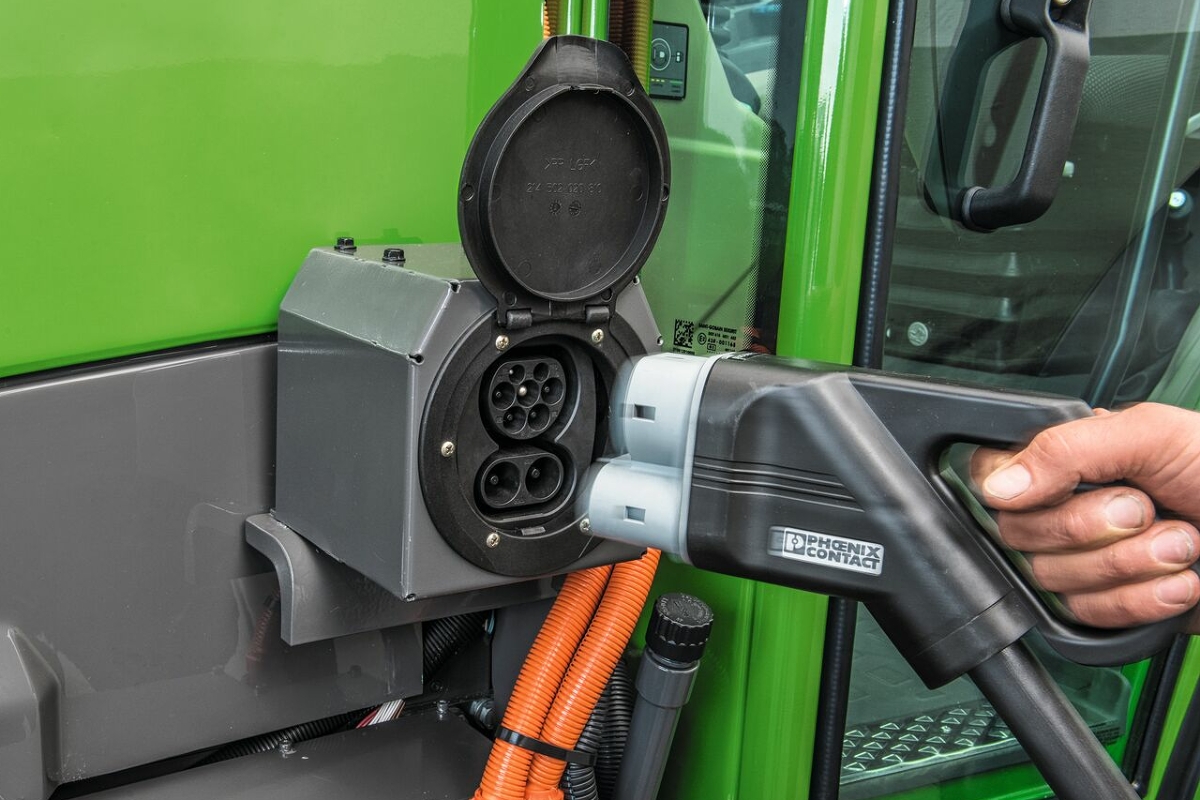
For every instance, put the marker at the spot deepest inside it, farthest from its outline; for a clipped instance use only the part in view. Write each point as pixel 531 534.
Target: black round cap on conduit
pixel 679 627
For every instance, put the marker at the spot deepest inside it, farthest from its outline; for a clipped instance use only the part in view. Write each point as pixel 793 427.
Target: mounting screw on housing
pixel 502 342
pixel 345 244
pixel 393 255
pixel 447 449
pixel 597 336
pixel 585 525
pixel 493 539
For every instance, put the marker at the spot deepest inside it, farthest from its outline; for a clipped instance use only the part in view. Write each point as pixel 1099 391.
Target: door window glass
pixel 1096 299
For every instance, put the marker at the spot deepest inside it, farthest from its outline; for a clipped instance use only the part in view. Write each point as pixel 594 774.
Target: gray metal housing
pixel 361 343
pixel 129 597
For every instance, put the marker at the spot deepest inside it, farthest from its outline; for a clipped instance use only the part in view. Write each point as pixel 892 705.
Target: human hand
pixel 1103 550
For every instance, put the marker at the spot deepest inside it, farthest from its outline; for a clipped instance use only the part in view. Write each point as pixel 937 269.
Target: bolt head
pixel 493 539
pixel 447 449
pixel 585 525
pixel 1178 199
pixel 345 244
pixel 393 255
pixel 502 342
pixel 597 336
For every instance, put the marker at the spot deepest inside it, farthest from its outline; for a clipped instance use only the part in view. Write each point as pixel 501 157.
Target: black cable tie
pixel 533 745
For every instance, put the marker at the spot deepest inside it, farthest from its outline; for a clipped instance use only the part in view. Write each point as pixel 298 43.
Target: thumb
pixel 1099 449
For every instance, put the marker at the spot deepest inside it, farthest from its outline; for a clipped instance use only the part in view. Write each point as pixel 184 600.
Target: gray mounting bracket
pixel 321 598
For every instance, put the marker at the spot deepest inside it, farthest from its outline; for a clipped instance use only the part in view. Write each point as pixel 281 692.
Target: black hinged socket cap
pixel 679 627
pixel 565 185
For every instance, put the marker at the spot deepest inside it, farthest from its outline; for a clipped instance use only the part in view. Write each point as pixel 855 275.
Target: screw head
pixel 502 342
pixel 1178 199
pixel 597 336
pixel 286 748
pixel 345 244
pixel 585 525
pixel 447 449
pixel 393 255
pixel 493 539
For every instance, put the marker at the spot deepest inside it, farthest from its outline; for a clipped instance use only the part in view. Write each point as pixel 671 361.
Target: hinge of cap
pixel 517 318
pixel 596 315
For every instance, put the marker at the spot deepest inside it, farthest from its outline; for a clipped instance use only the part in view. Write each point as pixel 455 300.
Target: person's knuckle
pixel 1082 607
pixel 1051 444
pixel 1076 527
pixel 1046 573
pixel 1114 563
pixel 1125 607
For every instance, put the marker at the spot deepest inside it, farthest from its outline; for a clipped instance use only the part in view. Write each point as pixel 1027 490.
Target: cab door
pixel 1081 279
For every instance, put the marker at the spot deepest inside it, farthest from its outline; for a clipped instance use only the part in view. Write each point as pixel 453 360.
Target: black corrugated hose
pixel 271 741
pixel 445 637
pixel 605 734
pixel 621 698
pixel 579 781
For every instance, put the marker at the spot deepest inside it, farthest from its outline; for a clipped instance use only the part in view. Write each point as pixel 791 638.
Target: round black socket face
pixel 570 196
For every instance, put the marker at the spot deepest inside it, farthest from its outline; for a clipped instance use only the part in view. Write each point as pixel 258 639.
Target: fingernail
pixel 1126 513
pixel 1175 590
pixel 1008 482
pixel 1173 547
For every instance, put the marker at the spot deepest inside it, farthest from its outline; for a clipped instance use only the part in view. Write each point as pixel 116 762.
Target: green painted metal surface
pixel 595 18
pixel 831 176
pixel 570 17
pixel 1189 679
pixel 166 166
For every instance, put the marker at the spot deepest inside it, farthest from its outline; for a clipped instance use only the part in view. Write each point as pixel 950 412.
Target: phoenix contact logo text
pixel 830 551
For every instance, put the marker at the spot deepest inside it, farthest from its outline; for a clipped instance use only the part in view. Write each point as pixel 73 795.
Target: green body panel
pixel 595 18
pixel 831 175
pixel 570 17
pixel 1189 678
pixel 167 166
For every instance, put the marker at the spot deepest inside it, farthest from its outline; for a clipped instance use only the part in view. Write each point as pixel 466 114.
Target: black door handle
pixel 1063 26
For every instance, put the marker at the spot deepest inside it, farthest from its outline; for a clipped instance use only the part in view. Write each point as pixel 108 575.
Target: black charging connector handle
pixel 926 418
pixel 1063 27
pixel 827 479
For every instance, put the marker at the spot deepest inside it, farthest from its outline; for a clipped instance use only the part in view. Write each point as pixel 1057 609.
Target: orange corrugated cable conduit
pixel 603 645
pixel 507 769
